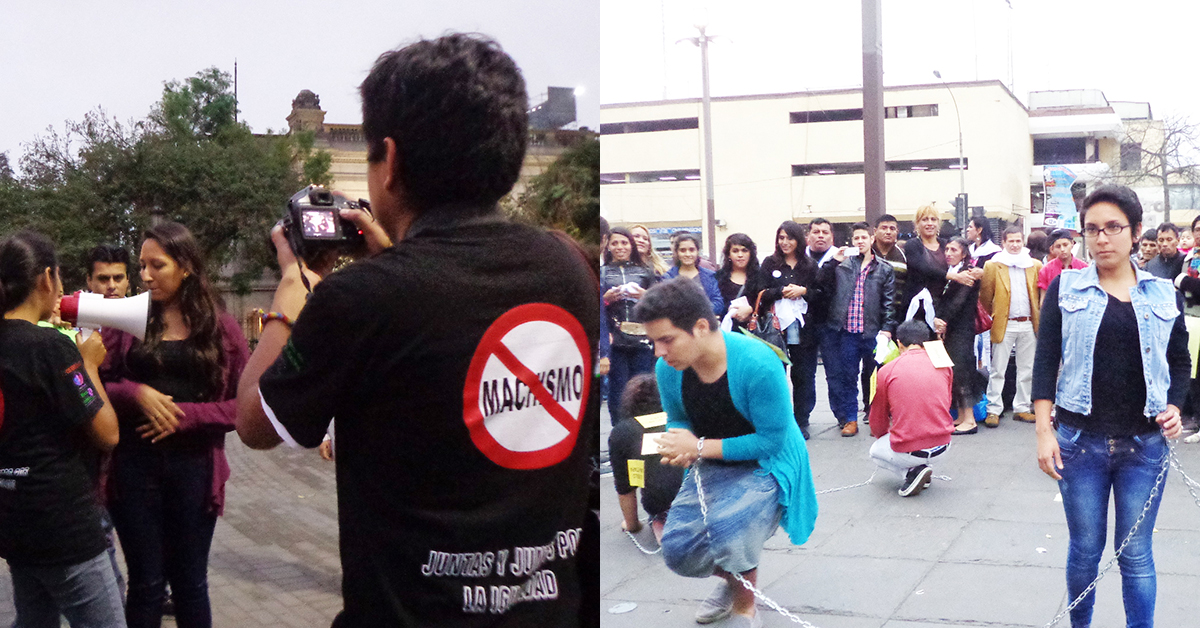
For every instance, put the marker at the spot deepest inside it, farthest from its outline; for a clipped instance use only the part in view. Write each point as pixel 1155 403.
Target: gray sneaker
pixel 741 621
pixel 717 605
pixel 917 479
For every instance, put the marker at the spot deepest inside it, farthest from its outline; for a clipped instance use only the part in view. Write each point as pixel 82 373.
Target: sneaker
pixel 992 420
pixel 804 433
pixel 850 428
pixel 917 479
pixel 1024 417
pixel 717 606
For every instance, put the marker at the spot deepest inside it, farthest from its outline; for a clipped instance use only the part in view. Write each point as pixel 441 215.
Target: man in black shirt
pixel 458 363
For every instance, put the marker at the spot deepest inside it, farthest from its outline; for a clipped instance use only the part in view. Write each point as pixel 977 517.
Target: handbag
pixel 765 325
pixel 983 320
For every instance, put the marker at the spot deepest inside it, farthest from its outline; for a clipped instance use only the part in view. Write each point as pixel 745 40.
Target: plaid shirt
pixel 854 319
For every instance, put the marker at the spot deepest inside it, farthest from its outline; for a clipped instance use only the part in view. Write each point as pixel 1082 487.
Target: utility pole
pixel 960 203
pixel 710 218
pixel 874 167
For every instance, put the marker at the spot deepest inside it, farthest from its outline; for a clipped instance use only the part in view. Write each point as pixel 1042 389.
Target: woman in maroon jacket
pixel 174 395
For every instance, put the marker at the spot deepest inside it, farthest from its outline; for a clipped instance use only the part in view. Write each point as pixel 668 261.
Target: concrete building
pixel 799 156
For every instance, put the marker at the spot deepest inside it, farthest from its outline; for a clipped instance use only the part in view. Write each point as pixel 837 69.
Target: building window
pixel 911 111
pixel 647 126
pixel 905 165
pixel 649 176
pixel 1131 156
pixel 825 115
pixel 1065 150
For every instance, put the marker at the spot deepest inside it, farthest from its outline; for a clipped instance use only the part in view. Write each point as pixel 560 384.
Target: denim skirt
pixel 743 512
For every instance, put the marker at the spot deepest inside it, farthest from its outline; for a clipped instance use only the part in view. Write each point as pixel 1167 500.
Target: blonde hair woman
pixel 927 267
pixel 650 258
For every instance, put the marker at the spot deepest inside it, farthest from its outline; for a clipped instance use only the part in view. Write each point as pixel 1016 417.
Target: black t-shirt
pixel 661 480
pixel 710 408
pixel 49 513
pixel 461 489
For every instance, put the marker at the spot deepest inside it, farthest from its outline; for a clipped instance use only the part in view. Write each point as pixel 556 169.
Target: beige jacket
pixel 996 293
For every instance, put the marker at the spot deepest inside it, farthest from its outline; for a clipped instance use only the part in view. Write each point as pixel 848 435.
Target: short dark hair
pixel 1011 230
pixel 1169 226
pixel 860 225
pixel 1194 221
pixel 913 332
pixel 1151 235
pixel 1124 198
pixel 456 108
pixel 107 254
pixel 885 218
pixel 819 221
pixel 680 300
pixel 604 227
pixel 640 396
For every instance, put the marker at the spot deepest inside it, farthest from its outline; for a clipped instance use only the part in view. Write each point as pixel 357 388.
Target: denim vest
pixel 1082 302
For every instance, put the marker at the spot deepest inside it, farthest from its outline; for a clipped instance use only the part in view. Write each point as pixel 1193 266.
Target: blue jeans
pixel 1093 466
pixel 161 508
pixel 804 369
pixel 742 500
pixel 843 368
pixel 624 364
pixel 85 593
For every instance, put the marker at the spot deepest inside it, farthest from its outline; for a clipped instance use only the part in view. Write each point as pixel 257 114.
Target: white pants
pixel 897 462
pixel 1019 334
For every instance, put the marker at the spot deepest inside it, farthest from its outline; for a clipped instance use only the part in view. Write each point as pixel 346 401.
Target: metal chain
pixel 1129 537
pixel 639 545
pixel 846 488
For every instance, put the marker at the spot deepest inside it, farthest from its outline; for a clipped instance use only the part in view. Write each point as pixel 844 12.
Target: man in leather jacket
pixel 861 309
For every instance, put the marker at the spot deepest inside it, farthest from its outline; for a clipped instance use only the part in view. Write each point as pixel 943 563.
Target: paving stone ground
pixel 987 548
pixel 274 560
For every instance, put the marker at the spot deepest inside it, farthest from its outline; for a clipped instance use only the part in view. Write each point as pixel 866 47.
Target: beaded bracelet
pixel 276 316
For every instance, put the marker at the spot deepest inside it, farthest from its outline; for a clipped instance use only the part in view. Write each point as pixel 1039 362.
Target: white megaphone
pixel 94 311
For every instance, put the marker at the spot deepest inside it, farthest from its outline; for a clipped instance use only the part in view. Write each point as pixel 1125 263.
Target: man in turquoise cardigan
pixel 730 419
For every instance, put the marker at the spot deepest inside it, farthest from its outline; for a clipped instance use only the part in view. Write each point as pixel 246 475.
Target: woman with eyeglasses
pixel 1109 435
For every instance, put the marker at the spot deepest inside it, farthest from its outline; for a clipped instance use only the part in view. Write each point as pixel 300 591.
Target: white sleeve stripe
pixel 279 428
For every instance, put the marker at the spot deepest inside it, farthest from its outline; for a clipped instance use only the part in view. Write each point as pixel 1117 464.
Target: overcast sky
pixel 61 59
pixel 1144 50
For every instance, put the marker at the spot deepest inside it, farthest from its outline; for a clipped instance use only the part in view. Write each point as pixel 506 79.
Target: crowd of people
pixel 1024 297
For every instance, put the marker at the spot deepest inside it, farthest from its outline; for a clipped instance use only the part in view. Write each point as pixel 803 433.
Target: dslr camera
pixel 314 225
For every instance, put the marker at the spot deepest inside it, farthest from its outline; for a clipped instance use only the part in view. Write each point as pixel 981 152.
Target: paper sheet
pixel 937 354
pixel 652 420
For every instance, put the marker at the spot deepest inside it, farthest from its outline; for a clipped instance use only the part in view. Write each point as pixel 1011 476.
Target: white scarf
pixel 986 248
pixel 1021 260
pixel 921 297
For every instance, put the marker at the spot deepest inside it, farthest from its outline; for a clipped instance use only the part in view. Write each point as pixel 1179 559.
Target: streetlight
pixel 710 230
pixel 962 181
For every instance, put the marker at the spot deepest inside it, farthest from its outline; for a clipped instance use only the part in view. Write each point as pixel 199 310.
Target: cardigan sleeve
pixel 122 392
pixel 220 414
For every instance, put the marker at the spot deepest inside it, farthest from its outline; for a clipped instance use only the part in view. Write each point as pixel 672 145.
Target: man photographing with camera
pixel 457 362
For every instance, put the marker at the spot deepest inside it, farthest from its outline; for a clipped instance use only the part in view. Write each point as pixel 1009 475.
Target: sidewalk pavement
pixel 274 559
pixel 986 548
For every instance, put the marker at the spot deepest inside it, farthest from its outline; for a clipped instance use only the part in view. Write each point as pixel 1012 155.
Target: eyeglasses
pixel 1111 229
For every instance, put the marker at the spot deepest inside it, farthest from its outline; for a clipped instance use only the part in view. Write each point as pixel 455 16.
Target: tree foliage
pixel 1168 151
pixel 100 181
pixel 567 195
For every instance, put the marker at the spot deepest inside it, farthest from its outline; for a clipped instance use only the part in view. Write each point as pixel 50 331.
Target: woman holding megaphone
pixel 174 394
pixel 50 531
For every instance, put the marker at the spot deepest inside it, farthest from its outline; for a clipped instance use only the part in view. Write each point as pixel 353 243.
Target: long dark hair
pixel 984 227
pixel 796 232
pixel 634 256
pixel 198 303
pixel 740 239
pixel 24 256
